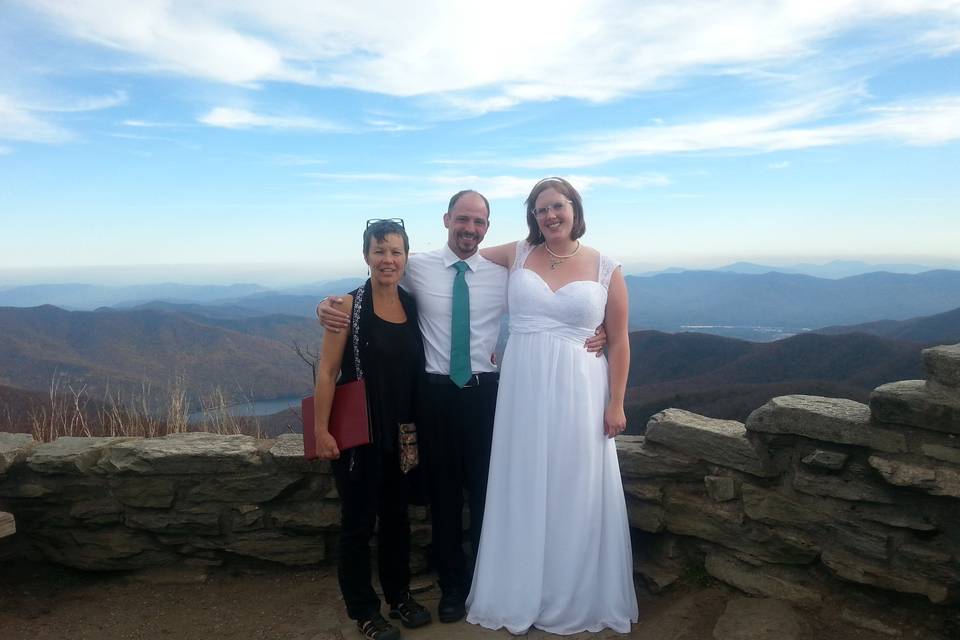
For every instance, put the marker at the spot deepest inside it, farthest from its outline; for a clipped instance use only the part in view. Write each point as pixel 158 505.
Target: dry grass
pixel 142 413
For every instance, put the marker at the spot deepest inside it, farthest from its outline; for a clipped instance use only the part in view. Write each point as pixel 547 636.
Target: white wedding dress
pixel 555 547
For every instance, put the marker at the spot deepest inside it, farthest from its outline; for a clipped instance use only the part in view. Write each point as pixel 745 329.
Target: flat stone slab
pixel 645 516
pixel 144 491
pixel 14 448
pixel 70 455
pixel 769 581
pixel 260 486
pixel 759 619
pixel 941 451
pixel 830 460
pixel 722 442
pixel 913 403
pixel 641 459
pixel 646 491
pixel 869 623
pixel 900 516
pixel 193 453
pixel 8 526
pixel 846 487
pixel 935 479
pixel 276 547
pixel 942 364
pixel 828 419
pixel 855 569
pixel 287 452
pixel 656 576
pixel 689 512
pixel 720 488
pixel 307 516
pixel 775 507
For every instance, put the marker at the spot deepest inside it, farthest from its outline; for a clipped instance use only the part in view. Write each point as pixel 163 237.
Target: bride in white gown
pixel 555 547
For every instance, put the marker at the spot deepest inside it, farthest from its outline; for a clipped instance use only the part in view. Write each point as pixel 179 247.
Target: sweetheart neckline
pixel 558 289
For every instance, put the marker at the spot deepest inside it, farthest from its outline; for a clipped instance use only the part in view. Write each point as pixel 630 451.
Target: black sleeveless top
pixel 391 358
pixel 394 351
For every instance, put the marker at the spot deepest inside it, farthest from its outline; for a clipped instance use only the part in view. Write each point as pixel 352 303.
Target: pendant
pixel 554 264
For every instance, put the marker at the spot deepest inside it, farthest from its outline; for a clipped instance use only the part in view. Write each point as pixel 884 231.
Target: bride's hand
pixel 614 420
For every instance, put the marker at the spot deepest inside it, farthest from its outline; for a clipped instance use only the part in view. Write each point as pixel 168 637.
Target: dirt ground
pixel 44 602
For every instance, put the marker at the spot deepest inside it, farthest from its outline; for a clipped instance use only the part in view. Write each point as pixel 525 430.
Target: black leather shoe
pixel 409 612
pixel 451 607
pixel 376 628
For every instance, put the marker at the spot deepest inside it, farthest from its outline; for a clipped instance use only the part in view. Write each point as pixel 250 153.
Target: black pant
pixel 373 489
pixel 455 442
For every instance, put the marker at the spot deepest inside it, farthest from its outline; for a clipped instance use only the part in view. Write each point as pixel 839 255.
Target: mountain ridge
pixel 940 328
pixel 125 349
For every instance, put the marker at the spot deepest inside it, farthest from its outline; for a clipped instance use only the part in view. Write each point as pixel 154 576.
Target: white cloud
pixel 493 57
pixel 380 124
pixel 944 40
pixel 81 104
pixel 193 39
pixel 779 165
pixel 18 122
pixel 229 118
pixel 28 120
pixel 147 124
pixel 495 187
pixel 919 122
pixel 5 151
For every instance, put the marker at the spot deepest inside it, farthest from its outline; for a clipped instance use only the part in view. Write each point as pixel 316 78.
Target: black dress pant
pixel 455 442
pixel 373 489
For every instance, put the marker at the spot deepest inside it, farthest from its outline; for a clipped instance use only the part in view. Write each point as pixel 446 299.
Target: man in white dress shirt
pixel 455 425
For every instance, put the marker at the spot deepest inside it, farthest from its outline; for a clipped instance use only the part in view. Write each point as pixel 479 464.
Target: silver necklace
pixel 557 260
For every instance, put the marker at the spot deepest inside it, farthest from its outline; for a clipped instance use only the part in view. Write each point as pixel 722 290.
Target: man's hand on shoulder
pixel 332 315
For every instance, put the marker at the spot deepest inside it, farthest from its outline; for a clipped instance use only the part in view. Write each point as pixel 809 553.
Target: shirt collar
pixel 450 258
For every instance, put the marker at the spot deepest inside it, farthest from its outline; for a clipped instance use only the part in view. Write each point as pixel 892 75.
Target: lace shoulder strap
pixel 523 250
pixel 607 267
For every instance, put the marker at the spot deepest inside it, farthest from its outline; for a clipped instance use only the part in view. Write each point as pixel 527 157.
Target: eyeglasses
pixel 373 221
pixel 557 207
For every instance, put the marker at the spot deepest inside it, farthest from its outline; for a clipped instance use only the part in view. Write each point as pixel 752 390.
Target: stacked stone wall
pixel 131 503
pixel 809 490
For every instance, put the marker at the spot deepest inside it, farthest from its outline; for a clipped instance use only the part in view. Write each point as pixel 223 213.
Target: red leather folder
pixel 349 419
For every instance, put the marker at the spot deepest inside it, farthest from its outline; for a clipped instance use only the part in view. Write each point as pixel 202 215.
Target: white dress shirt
pixel 429 278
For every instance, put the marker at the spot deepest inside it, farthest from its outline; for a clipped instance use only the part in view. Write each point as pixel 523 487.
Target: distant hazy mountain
pixel 795 302
pixel 301 304
pixel 726 301
pixel 325 287
pixel 226 311
pixel 284 328
pixel 727 378
pixel 87 296
pixel 941 328
pixel 123 349
pixel 279 303
pixel 834 269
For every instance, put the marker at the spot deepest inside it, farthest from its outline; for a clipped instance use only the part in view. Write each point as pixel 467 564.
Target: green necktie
pixel 460 370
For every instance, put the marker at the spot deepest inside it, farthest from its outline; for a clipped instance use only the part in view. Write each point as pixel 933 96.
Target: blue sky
pixel 211 141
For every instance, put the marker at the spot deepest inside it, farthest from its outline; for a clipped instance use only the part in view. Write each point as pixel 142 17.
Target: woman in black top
pixel 369 478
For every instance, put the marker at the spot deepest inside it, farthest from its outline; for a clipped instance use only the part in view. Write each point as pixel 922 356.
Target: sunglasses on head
pixel 373 221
